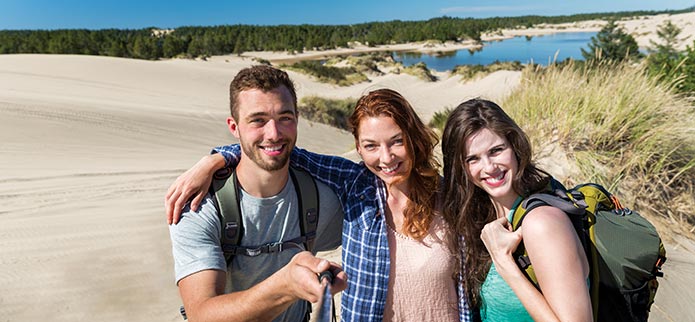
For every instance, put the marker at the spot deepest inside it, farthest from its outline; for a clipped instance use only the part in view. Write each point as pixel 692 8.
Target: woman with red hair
pixel 399 256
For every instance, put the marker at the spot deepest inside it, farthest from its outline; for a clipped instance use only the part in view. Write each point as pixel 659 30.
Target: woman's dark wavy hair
pixel 467 208
pixel 420 141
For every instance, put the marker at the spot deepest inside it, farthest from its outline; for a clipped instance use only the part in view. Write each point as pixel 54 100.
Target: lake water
pixel 539 49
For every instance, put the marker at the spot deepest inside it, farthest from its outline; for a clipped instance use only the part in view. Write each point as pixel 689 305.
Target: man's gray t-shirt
pixel 196 239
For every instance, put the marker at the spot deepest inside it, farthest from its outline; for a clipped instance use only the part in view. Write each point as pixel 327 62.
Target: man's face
pixel 266 127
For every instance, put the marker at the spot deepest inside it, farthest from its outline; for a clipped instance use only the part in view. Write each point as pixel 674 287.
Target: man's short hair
pixel 263 77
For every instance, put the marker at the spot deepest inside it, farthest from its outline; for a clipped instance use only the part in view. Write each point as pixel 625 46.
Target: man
pixel 270 285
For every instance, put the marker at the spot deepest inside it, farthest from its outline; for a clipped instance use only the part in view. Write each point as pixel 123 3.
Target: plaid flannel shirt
pixel 365 254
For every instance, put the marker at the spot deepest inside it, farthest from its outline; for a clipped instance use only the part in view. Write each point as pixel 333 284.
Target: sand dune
pixel 89 146
pixel 643 29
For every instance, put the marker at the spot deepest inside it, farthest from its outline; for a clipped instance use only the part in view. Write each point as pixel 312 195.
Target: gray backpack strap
pixel 569 206
pixel 225 191
pixel 308 196
pixel 228 209
pixel 574 206
pixel 225 188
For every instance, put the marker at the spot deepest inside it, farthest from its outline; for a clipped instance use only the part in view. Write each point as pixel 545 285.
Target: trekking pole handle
pixel 327 275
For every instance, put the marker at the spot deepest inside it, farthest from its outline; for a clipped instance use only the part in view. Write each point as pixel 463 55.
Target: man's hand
pixel 195 183
pixel 339 283
pixel 203 292
pixel 301 277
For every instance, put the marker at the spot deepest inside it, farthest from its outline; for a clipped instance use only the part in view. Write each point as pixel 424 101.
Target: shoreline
pixel 642 28
pixel 424 47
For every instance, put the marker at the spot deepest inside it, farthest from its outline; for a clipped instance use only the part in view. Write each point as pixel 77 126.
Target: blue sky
pixel 135 14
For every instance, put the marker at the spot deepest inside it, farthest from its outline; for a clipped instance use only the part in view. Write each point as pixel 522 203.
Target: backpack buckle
pixel 312 216
pixel 231 229
pixel 523 261
pixel 253 252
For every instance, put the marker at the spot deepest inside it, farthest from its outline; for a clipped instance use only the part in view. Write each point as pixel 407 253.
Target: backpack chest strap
pixel 230 249
pixel 227 196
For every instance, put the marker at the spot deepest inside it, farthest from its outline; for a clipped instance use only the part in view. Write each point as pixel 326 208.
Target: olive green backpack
pixel 624 250
pixel 226 193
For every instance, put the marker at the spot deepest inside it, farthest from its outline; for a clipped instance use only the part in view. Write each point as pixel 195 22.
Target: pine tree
pixel 612 44
pixel 667 63
pixel 688 70
pixel 173 46
pixel 664 60
pixel 145 47
pixel 668 34
pixel 196 48
pixel 116 49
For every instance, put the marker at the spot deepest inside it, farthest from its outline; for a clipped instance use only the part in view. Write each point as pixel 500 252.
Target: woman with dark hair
pixel 397 256
pixel 488 171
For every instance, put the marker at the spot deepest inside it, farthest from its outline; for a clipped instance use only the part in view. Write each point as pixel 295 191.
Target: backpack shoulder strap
pixel 554 195
pixel 308 196
pixel 225 189
pixel 226 195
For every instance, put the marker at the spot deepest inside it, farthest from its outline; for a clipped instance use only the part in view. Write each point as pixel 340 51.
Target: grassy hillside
pixel 617 127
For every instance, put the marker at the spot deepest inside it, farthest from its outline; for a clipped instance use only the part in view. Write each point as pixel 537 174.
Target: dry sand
pixel 89 146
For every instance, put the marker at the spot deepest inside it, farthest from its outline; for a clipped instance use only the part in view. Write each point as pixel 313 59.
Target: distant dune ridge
pixel 643 29
pixel 90 145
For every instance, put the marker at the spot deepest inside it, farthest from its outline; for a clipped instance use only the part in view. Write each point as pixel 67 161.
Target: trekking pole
pixel 325 304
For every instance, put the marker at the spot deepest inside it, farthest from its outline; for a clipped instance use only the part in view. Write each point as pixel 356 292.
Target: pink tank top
pixel 421 287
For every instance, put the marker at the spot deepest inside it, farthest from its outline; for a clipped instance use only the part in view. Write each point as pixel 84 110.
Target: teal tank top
pixel 499 302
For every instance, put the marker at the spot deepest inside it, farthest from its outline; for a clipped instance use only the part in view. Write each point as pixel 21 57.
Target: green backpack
pixel 226 192
pixel 624 250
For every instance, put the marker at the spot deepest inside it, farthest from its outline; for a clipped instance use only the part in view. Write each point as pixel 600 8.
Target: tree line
pixel 235 39
pixel 612 45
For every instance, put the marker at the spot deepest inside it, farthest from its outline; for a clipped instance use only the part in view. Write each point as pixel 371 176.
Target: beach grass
pixel 367 64
pixel 341 76
pixel 438 120
pixel 619 127
pixel 472 72
pixel 420 71
pixel 334 112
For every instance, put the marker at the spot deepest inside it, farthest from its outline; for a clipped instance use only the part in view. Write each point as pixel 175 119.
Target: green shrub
pixel 342 76
pixel 333 112
pixel 439 118
pixel 469 72
pixel 613 44
pixel 420 71
pixel 262 61
pixel 670 65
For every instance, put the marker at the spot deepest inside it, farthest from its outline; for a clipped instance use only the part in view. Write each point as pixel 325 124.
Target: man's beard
pixel 265 162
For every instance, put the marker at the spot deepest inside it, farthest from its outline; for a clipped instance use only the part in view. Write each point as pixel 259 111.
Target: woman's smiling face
pixel 381 144
pixel 491 164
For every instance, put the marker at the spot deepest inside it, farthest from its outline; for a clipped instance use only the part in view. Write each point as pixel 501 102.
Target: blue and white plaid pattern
pixel 365 255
